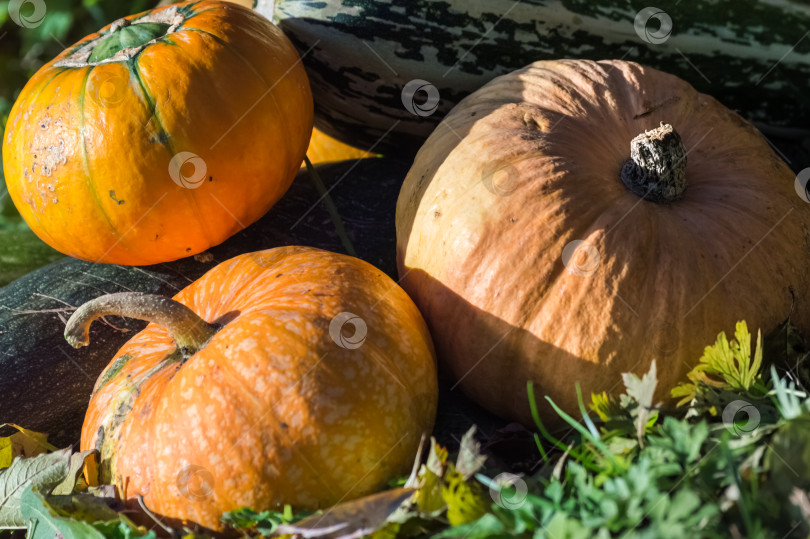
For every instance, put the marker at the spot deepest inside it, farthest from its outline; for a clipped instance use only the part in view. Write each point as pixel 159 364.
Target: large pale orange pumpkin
pixel 310 379
pixel 575 220
pixel 160 136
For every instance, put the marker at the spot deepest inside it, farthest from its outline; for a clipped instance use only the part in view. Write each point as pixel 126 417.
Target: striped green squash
pixel 752 55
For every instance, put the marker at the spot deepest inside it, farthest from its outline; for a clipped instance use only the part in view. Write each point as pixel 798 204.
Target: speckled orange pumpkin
pixel 311 380
pixel 160 136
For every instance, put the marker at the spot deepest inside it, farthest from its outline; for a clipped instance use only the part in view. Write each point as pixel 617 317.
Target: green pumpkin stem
pixel 189 331
pixel 656 170
pixel 124 35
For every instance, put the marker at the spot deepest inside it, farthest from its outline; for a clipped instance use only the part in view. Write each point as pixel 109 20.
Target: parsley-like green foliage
pixel 264 523
pixel 727 370
pixel 644 471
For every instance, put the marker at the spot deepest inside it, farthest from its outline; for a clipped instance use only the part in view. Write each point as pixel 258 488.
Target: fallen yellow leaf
pixel 26 443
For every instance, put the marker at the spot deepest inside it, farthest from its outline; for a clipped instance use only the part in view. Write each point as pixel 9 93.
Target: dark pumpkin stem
pixel 189 331
pixel 656 170
pixel 124 35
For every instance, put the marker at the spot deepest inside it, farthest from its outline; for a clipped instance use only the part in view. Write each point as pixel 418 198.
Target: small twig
pixel 46 296
pixel 154 517
pixel 100 278
pixel 43 311
pixel 330 207
pixel 155 276
pixel 104 320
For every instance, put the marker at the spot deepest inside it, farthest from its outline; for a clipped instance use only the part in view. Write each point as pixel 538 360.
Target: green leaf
pixel 586 434
pixel 487 526
pixel 42 471
pixel 607 407
pixel 45 523
pixel 76 465
pixel 789 401
pixel 685 440
pixel 727 366
pixel 732 361
pixel 246 518
pixel 566 527
pixel 429 493
pixel 464 500
pixel 75 517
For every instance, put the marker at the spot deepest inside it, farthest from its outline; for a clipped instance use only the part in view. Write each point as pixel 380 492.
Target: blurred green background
pixel 22 52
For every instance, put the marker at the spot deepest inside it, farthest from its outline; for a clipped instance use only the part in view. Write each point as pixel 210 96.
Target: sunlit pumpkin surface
pixel 531 261
pixel 273 410
pixel 162 151
pixel 324 149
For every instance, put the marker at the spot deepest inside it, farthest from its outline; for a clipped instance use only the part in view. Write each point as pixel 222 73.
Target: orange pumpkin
pixel 139 144
pixel 323 149
pixel 554 230
pixel 307 378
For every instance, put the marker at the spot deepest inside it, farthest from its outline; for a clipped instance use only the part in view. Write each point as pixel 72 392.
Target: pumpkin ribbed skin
pixel 271 410
pixel 530 163
pixel 88 146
